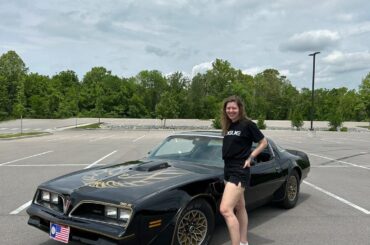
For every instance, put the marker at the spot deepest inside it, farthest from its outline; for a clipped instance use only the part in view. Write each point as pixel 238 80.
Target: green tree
pixel 178 86
pixel 12 71
pixel 167 107
pixel 153 84
pixel 269 93
pixel 4 98
pixel 364 92
pixel 39 92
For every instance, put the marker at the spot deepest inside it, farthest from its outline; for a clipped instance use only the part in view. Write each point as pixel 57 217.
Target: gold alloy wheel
pixel 193 228
pixel 292 188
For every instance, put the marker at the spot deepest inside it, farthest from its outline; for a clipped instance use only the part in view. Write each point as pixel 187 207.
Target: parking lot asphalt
pixel 334 204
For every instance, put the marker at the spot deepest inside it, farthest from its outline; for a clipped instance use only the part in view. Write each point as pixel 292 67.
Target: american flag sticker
pixel 59 232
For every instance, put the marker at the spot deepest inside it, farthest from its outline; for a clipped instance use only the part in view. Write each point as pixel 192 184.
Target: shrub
pixel 297 120
pixel 261 122
pixel 335 120
pixel 216 123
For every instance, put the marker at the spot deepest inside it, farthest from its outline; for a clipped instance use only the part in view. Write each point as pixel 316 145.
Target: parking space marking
pixel 335 160
pixel 358 140
pixel 17 160
pixel 330 141
pixel 332 159
pixel 49 165
pixel 101 159
pixel 100 138
pixel 139 138
pixel 16 211
pixel 66 137
pixel 338 198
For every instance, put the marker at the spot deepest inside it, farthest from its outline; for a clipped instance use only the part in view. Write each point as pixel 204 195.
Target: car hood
pixel 127 182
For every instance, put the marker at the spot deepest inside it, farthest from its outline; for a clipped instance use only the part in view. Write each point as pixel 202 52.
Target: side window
pixel 265 156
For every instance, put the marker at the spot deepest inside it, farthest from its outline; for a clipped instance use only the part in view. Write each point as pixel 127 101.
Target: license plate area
pixel 59 232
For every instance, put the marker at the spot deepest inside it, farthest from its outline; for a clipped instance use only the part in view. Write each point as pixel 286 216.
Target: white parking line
pixel 101 159
pixel 332 159
pixel 330 141
pixel 17 160
pixel 101 138
pixel 49 165
pixel 139 138
pixel 16 211
pixel 335 160
pixel 338 198
pixel 21 208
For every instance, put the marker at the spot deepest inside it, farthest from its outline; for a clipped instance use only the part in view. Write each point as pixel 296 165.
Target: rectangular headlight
pixel 45 196
pixel 111 212
pixel 124 214
pixel 54 198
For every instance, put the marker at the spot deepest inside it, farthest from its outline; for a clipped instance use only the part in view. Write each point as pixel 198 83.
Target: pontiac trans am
pixel 170 197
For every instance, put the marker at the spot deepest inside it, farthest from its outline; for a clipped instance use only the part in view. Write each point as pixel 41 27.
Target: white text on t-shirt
pixel 234 132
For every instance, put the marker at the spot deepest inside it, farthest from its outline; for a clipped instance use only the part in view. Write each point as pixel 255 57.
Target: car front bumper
pixel 84 231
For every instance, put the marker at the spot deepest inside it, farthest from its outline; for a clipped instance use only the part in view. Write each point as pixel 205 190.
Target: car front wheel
pixel 196 224
pixel 291 190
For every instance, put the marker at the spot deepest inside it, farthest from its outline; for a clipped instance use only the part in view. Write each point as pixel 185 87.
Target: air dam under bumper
pixel 85 231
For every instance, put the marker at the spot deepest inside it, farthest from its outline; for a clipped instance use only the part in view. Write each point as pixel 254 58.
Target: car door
pixel 266 177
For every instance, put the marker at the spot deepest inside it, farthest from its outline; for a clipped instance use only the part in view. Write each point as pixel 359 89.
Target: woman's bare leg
pixel 230 198
pixel 242 216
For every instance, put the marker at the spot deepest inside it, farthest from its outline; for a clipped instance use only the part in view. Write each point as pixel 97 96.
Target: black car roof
pixel 206 133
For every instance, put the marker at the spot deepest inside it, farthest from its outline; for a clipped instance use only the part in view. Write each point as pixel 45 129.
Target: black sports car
pixel 170 197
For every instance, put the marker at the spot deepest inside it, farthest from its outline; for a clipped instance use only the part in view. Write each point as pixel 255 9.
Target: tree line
pixel 151 94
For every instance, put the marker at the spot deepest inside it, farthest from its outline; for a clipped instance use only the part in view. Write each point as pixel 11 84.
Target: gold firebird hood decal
pixel 123 177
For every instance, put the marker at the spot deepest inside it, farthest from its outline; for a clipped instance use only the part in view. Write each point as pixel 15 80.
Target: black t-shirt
pixel 237 142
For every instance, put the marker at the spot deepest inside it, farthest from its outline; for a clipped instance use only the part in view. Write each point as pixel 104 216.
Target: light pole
pixel 313 88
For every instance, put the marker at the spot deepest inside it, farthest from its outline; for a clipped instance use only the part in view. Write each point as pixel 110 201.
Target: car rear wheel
pixel 291 190
pixel 196 224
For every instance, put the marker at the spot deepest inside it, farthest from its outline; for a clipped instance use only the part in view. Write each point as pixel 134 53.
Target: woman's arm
pixel 261 145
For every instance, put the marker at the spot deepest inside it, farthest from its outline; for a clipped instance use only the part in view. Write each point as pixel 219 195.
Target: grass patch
pixel 9 136
pixel 91 126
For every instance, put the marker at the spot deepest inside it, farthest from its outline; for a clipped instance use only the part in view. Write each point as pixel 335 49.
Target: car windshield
pixel 197 149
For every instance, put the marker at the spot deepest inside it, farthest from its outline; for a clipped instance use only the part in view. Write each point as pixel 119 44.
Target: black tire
pixel 291 191
pixel 195 224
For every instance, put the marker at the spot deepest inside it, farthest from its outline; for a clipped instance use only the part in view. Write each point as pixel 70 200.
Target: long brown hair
pixel 225 120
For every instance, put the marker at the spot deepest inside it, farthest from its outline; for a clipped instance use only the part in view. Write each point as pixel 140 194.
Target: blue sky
pixel 185 35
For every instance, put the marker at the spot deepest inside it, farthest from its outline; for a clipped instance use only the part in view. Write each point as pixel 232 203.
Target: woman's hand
pixel 247 163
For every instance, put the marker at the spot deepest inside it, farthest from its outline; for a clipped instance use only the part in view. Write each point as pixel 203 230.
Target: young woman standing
pixel 239 133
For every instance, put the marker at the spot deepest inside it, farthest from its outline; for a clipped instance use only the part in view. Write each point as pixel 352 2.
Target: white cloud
pixel 253 70
pixel 347 62
pixel 201 68
pixel 311 41
pixel 134 35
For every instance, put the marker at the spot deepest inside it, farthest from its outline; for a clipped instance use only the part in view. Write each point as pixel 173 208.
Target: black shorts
pixel 235 173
